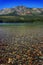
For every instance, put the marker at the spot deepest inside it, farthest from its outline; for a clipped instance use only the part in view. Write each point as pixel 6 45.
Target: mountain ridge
pixel 21 10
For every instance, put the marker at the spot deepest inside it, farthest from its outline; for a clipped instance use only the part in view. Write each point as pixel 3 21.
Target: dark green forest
pixel 22 19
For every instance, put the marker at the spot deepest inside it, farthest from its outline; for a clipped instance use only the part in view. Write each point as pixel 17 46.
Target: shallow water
pixel 18 39
pixel 20 29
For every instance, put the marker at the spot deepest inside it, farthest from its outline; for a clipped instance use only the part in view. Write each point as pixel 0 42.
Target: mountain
pixel 21 10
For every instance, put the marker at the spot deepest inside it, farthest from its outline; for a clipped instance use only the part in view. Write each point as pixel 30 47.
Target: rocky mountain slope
pixel 21 10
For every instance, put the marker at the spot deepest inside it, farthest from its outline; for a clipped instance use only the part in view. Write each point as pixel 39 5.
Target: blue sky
pixel 27 3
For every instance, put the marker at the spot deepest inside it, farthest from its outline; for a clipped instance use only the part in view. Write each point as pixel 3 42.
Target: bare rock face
pixel 21 10
pixel 5 11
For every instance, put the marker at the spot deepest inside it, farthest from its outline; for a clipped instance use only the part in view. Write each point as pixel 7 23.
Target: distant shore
pixel 21 19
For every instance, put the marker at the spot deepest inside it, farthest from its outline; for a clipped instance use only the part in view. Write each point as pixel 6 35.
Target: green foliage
pixel 21 19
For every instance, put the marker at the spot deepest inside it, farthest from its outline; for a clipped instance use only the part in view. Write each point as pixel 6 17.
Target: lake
pixel 22 28
pixel 21 42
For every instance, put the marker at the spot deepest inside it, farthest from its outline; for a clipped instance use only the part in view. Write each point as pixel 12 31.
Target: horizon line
pixel 19 6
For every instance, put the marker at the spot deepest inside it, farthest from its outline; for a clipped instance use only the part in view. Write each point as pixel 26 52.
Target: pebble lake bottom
pixel 21 44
